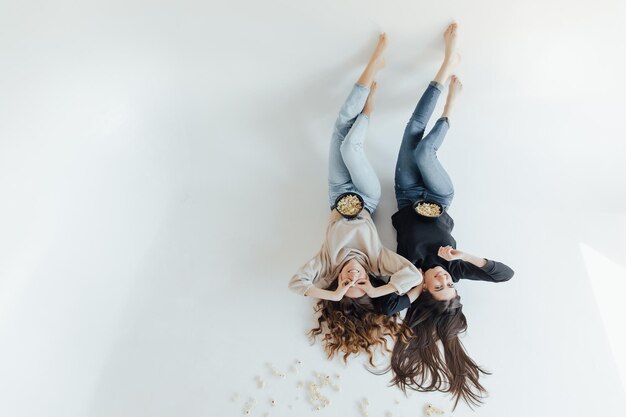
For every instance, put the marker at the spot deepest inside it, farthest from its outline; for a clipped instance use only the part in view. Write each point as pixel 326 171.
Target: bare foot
pixel 451 58
pixel 450 37
pixel 369 104
pixel 377 60
pixel 454 90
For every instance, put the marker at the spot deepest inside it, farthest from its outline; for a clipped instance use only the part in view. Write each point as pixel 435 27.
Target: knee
pixel 349 147
pixel 376 192
pixel 371 191
pixel 424 153
pixel 415 126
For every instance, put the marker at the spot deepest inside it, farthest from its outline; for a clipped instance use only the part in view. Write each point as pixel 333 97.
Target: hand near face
pixel 450 254
pixel 365 285
pixel 343 286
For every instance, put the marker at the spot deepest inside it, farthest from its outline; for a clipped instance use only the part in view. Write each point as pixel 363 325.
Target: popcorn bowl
pixel 428 209
pixel 349 205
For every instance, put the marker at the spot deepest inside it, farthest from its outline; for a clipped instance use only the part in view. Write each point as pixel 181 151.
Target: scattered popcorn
pixel 316 394
pixel 249 406
pixel 430 409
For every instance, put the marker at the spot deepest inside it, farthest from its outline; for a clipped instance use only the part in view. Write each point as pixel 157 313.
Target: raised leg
pixel 410 184
pixel 407 173
pixel 361 171
pixel 356 173
pixel 354 105
pixel 436 180
pixel 339 180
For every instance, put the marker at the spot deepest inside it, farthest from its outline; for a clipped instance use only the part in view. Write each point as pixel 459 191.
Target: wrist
pixel 339 293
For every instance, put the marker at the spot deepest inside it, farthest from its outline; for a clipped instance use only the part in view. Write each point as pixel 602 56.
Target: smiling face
pixel 351 270
pixel 438 282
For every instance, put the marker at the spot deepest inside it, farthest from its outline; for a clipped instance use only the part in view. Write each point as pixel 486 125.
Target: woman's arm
pixel 335 295
pixel 464 265
pixel 450 254
pixel 403 274
pixel 392 303
pixel 305 277
pixel 415 292
pixel 375 292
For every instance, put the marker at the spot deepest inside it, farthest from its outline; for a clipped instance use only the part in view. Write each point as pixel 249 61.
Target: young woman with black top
pixel 428 244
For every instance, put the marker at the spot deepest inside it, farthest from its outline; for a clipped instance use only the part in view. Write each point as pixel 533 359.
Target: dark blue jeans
pixel 419 174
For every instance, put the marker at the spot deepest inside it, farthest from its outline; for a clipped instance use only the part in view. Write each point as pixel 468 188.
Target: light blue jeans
pixel 419 174
pixel 348 167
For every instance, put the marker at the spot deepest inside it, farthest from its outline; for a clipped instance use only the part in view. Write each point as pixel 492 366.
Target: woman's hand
pixel 344 286
pixel 450 254
pixel 366 285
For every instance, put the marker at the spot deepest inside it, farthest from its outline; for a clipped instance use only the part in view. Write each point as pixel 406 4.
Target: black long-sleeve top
pixel 419 240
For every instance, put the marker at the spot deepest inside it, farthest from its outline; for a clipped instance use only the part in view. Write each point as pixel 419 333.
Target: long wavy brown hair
pixel 353 325
pixel 417 362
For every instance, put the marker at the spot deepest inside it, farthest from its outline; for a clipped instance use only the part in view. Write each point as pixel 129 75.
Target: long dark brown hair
pixel 354 325
pixel 417 361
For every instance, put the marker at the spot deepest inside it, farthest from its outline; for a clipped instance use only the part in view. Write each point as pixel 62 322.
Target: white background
pixel 163 174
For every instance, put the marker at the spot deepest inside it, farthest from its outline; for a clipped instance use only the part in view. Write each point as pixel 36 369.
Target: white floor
pixel 163 171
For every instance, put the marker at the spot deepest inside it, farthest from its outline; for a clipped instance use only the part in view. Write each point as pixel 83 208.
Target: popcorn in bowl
pixel 428 209
pixel 349 205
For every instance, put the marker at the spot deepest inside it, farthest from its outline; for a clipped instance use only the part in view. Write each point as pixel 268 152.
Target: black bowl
pixel 346 194
pixel 417 203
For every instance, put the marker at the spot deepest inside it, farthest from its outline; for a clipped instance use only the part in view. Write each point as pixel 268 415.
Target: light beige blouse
pixel 356 238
